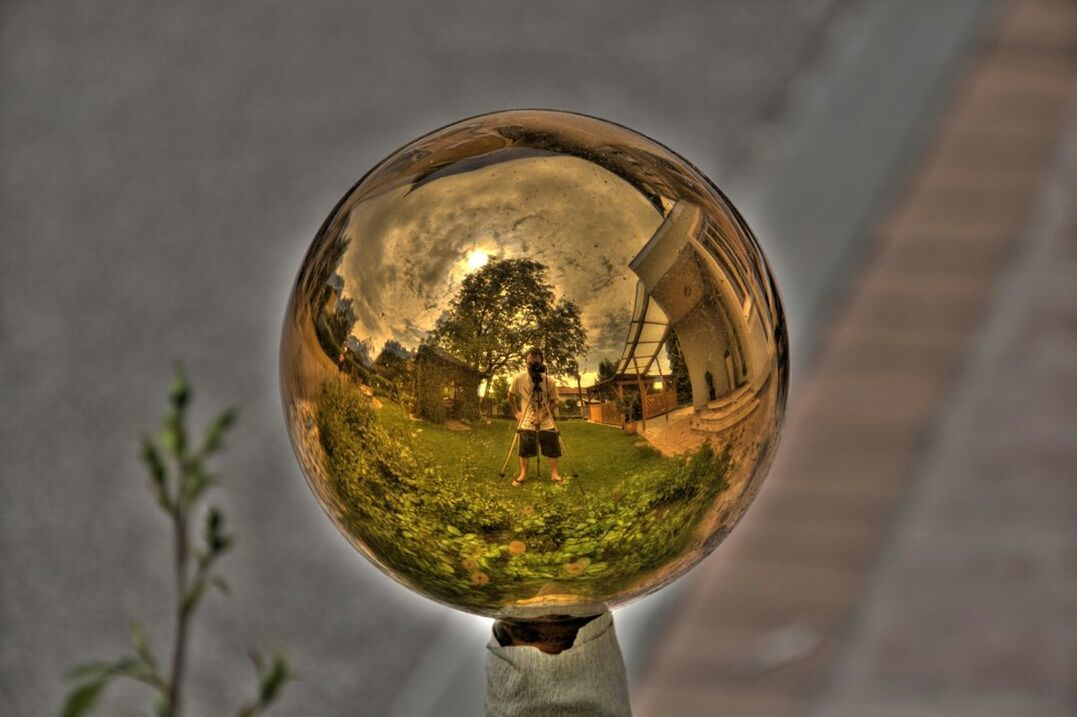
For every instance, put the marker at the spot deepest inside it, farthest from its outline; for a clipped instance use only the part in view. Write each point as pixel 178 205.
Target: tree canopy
pixel 501 310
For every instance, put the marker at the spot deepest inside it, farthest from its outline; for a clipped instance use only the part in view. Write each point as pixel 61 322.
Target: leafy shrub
pixel 446 533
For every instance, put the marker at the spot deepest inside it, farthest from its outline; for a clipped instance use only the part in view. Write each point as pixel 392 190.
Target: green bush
pixel 447 533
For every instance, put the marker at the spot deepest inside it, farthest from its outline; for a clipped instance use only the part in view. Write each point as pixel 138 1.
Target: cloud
pixel 409 250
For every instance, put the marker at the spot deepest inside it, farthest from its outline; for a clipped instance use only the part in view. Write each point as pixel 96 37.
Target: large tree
pixel 501 310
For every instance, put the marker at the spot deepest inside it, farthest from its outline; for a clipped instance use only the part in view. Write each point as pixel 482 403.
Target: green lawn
pixel 596 457
pixel 429 503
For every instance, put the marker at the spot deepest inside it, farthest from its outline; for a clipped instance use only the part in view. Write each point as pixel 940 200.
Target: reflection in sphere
pixel 432 439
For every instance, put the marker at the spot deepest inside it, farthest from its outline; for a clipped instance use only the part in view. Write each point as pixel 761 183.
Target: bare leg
pixel 523 471
pixel 555 475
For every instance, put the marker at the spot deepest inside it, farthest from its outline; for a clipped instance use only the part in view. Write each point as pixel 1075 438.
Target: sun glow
pixel 477 259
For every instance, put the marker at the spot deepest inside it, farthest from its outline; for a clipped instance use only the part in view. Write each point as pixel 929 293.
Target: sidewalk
pixel 972 609
pixel 908 553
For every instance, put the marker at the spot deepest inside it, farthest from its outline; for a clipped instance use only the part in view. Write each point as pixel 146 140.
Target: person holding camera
pixel 533 397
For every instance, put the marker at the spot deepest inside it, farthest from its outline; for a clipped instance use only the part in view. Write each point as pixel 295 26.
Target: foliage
pixel 392 360
pixel 340 320
pixel 562 338
pixel 450 530
pixel 629 405
pixel 429 394
pixel 606 370
pixel 678 371
pixel 439 376
pixel 497 400
pixel 503 308
pixel 178 479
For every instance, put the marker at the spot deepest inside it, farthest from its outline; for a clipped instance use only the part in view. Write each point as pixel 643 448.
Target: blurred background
pixel 909 167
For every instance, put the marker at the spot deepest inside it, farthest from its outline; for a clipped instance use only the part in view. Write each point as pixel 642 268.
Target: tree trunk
pixel 579 396
pixel 486 392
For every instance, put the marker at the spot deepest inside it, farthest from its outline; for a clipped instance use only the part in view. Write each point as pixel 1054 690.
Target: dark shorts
pixel 547 440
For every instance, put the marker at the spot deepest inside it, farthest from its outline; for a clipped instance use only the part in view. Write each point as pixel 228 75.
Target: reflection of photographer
pixel 534 400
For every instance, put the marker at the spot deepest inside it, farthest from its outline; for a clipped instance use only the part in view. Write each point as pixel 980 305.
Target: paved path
pixel 863 582
pixel 672 433
pixel 973 609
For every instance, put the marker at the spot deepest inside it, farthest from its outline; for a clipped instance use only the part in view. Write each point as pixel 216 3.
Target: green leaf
pixel 194 596
pixel 174 435
pixel 215 435
pixel 179 393
pixel 196 482
pixel 82 698
pixel 217 541
pixel 273 679
pixel 155 466
pixel 142 647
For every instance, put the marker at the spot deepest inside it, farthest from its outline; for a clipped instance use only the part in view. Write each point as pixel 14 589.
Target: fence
pixel 606 413
pixel 655 404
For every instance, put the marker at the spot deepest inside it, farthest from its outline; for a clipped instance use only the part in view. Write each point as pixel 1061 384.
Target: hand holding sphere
pixel 405 380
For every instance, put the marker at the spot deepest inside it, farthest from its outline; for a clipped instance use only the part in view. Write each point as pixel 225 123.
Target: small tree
pixel 179 479
pixel 606 370
pixel 392 360
pixel 629 406
pixel 498 395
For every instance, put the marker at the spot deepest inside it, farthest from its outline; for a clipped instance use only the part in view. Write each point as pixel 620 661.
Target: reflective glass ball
pixel 534 363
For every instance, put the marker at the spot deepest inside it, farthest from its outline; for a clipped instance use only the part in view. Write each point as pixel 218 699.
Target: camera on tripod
pixel 536 369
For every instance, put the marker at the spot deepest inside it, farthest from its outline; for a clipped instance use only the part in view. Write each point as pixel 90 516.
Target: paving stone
pixel 1040 24
pixel 852 458
pixel 705 701
pixel 993 153
pixel 884 400
pixel 767 597
pixel 835 544
pixel 787 659
pixel 906 310
pixel 943 253
pixel 1026 88
pixel 975 208
pixel 816 503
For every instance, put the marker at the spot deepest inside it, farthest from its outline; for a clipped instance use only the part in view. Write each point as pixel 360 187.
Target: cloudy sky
pixel 410 251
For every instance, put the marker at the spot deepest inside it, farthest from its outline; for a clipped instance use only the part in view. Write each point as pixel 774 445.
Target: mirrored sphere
pixel 516 483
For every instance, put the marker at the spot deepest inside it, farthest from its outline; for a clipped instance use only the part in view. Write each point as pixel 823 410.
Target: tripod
pixel 536 402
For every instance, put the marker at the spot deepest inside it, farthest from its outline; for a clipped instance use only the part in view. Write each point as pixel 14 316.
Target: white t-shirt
pixel 521 388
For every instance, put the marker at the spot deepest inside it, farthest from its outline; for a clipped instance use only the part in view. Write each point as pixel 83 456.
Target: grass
pixel 595 457
pixel 429 504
